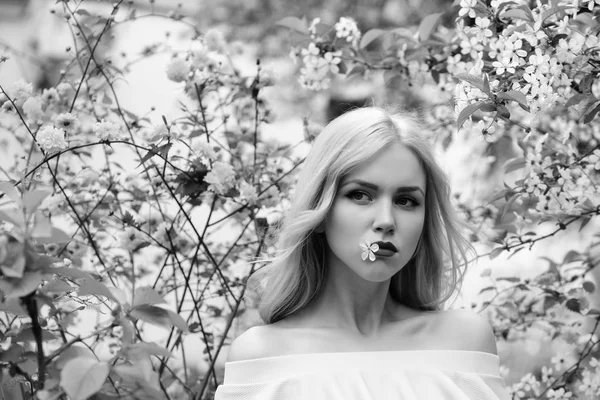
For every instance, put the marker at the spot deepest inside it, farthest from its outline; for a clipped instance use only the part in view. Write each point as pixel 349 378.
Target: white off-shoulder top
pixel 372 375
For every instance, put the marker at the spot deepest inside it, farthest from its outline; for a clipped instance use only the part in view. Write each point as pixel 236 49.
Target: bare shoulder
pixel 469 331
pixel 256 342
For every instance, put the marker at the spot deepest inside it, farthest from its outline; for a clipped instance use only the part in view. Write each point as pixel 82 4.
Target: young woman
pixel 353 302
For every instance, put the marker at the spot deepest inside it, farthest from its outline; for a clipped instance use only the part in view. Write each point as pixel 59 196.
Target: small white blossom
pixel 199 54
pixel 21 91
pixel 177 70
pixel 315 74
pixel 591 3
pixel 559 394
pixel 562 361
pixel 51 139
pixel 33 108
pixel 267 76
pixel 8 107
pixel 594 159
pixel 467 7
pixel 312 28
pixel 590 383
pixel 205 149
pixel 346 28
pixel 131 238
pixel 221 177
pixel 214 41
pixel 50 95
pixel 66 121
pixel 369 250
pixel 106 130
pixel 63 89
pixel 248 192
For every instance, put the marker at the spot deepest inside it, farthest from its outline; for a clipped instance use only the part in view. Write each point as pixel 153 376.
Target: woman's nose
pixel 384 219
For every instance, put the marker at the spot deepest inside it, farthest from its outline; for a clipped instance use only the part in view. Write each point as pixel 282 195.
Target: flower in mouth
pixel 369 250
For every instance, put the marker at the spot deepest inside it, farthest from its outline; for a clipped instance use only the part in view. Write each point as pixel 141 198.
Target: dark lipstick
pixel 387 246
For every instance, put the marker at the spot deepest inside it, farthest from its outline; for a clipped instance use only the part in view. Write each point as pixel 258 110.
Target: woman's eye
pixel 358 196
pixel 407 202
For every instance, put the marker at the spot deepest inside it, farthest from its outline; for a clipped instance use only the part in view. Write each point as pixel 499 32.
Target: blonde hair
pixel 296 275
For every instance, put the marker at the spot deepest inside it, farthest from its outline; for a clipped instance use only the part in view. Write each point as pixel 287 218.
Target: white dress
pixel 372 375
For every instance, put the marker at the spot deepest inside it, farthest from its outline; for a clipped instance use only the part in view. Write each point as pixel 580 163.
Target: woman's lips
pixel 386 249
pixel 387 246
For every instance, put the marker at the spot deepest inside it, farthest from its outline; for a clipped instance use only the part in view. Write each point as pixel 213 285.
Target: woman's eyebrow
pixel 403 189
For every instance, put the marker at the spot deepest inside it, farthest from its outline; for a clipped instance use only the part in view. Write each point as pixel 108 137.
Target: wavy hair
pixel 296 274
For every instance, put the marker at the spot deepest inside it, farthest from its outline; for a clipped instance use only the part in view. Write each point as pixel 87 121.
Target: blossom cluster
pixel 322 57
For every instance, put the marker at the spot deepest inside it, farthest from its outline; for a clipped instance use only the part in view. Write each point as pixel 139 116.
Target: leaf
pixel 356 70
pixel 147 295
pixel 12 354
pixel 573 305
pixel 487 288
pixel 10 190
pixel 82 11
pixel 506 207
pixel 13 306
pixel 294 23
pixel 428 25
pixel 571 256
pixel 14 216
pixel 57 286
pixel 20 287
pixel 486 86
pixel 496 252
pixel 467 112
pixel 56 236
pixel 370 36
pixel 585 85
pixel 515 95
pixel 154 150
pixel 509 279
pixel 591 115
pixel 589 286
pixel 472 79
pixel 43 263
pixel 578 98
pixel 128 332
pixel 147 348
pixel 42 228
pixel 488 106
pixel 517 13
pixel 82 377
pixel 118 294
pixel 498 195
pixel 159 316
pixel 503 111
pixel 584 222
pixel 26 335
pixel 554 10
pixel 93 287
pixel 71 353
pixel 514 164
pixel 72 273
pixel 33 199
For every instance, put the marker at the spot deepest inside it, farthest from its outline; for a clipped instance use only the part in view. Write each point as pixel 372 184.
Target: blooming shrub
pixel 523 72
pixel 135 222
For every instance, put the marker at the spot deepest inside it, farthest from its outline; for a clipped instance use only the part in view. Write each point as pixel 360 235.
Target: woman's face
pixel 383 200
